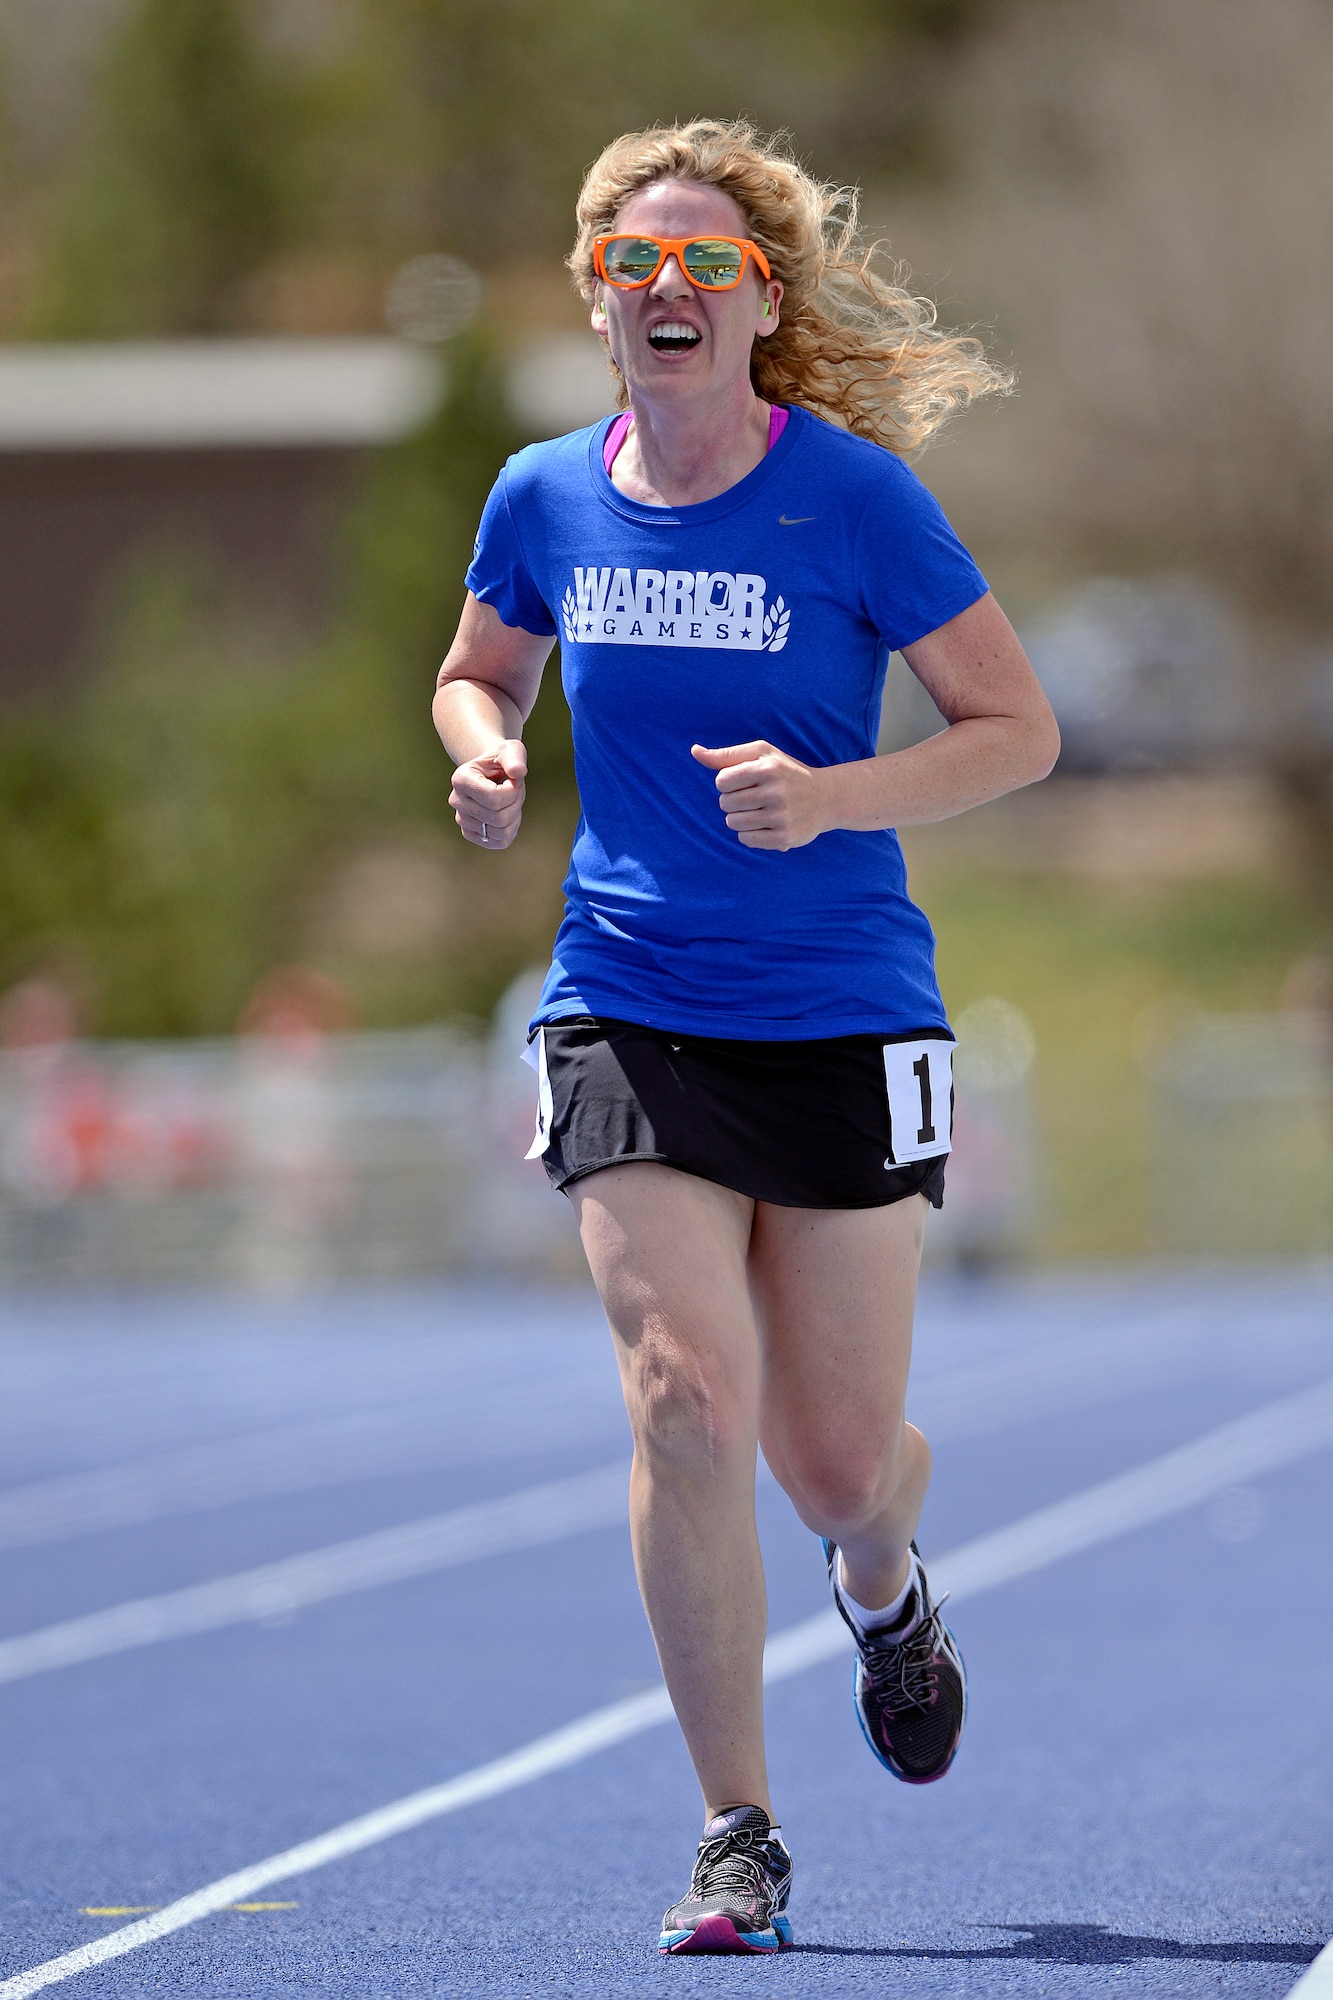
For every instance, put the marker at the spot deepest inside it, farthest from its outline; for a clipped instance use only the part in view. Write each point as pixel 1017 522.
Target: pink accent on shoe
pixel 714 1934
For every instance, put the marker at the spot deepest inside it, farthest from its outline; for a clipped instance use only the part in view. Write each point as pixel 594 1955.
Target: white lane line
pixel 582 1404
pixel 575 1408
pixel 297 1458
pixel 1272 1436
pixel 570 1745
pixel 1072 1372
pixel 1315 1983
pixel 543 1514
pixel 523 1520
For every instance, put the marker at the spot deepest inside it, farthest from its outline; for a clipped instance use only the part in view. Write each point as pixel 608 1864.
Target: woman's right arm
pixel 483 696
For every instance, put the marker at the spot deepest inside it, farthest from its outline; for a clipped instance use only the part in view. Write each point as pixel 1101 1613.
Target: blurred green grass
pixel 1100 970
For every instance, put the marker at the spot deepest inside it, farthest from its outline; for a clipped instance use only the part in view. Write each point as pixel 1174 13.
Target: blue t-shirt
pixel 768 612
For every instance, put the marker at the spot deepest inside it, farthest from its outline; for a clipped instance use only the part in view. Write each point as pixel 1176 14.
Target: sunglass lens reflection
pixel 628 260
pixel 713 263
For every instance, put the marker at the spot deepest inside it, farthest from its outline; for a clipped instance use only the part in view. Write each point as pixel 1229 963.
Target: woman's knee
pixel 841 1488
pixel 686 1409
pixel 846 1479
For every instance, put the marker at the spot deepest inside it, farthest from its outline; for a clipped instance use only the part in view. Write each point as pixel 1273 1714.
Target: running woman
pixel 744 1061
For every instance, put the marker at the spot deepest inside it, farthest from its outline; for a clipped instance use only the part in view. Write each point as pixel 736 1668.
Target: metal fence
pixel 273 1163
pixel 280 1161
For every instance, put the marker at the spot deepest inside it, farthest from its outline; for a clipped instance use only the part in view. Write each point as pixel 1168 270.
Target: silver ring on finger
pixel 486 838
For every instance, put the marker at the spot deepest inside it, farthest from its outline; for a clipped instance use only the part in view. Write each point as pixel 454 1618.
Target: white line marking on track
pixel 1315 1983
pixel 575 1409
pixel 1070 1372
pixel 1275 1435
pixel 523 1520
pixel 141 1909
pixel 575 1405
pixel 1271 1436
pixel 579 1404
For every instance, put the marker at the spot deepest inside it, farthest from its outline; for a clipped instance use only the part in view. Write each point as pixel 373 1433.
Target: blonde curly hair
pixel 850 344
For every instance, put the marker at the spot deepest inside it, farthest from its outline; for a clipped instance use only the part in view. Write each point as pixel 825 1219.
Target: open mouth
pixel 674 337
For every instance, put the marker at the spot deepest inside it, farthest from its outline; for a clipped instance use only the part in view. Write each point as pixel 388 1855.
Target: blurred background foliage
pixel 1133 194
pixel 206 167
pixel 180 821
pixel 231 164
pixel 189 176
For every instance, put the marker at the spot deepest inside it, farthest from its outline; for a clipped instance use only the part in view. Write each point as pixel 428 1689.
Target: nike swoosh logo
pixel 796 520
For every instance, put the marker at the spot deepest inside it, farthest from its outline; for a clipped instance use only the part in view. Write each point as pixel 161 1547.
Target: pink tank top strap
pixel 619 431
pixel 615 437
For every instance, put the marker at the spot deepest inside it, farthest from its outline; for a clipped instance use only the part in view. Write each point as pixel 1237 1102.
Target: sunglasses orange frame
pixel 674 246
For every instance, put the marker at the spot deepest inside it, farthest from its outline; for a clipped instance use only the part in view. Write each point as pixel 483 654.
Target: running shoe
pixel 738 1891
pixel 909 1686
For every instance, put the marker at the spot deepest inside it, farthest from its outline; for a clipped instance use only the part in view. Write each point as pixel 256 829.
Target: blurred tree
pixel 1143 189
pixel 181 190
pixel 409 542
pixel 224 138
pixel 409 545
pixel 470 123
pixel 13 244
pixel 174 830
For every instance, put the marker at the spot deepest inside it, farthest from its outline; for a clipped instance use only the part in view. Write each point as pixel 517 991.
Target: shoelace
pixel 904 1674
pixel 730 1864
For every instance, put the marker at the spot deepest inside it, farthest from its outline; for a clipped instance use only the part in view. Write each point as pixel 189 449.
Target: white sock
pixel 868 1621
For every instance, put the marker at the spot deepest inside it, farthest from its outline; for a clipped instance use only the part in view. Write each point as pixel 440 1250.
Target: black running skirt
pixel 854 1121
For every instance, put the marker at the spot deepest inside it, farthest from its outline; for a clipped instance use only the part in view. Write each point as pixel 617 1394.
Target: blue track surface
pixel 1144 1799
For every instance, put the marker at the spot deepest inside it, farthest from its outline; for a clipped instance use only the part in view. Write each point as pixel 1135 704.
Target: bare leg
pixel 834 1292
pixel 668 1254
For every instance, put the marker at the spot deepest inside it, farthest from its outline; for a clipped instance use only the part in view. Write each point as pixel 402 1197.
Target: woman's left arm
pixel 1001 734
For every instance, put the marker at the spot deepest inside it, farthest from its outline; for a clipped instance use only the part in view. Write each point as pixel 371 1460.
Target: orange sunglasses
pixel 713 263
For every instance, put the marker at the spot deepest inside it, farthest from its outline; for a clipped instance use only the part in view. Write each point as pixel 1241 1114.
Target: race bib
pixel 919 1078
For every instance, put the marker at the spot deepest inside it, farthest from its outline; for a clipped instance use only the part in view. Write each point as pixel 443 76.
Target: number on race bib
pixel 919 1078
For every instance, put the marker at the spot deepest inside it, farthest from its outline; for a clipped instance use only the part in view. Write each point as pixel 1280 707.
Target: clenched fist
pixel 487 795
pixel 769 798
